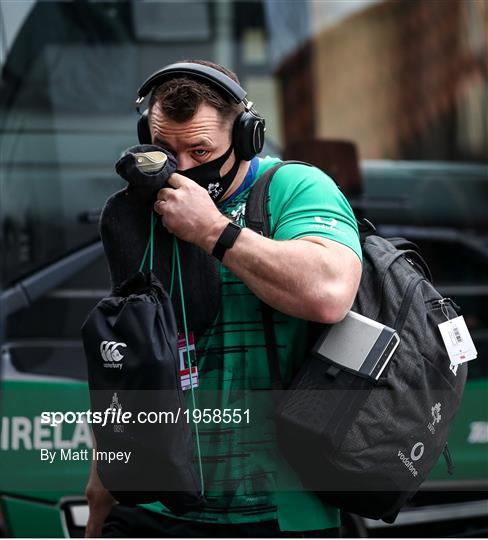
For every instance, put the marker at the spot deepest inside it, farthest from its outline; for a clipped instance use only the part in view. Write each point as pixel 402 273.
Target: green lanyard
pixel 175 261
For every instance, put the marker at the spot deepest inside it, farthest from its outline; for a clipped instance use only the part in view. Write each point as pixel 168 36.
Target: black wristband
pixel 226 240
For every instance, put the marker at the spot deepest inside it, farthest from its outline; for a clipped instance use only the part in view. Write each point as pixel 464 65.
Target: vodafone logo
pixel 417 451
pixel 109 350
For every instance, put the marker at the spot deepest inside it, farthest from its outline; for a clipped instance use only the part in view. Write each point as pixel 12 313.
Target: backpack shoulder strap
pixel 256 218
pixel 271 350
pixel 256 215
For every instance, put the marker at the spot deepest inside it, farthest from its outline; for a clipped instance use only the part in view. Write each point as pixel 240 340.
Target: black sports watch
pixel 226 240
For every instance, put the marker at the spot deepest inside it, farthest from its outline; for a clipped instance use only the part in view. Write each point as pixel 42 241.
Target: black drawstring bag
pixel 130 341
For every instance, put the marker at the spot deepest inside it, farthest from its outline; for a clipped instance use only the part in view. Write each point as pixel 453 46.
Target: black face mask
pixel 208 176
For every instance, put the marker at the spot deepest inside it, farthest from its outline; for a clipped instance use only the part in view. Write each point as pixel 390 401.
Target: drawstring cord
pixel 176 251
pixel 149 247
pixel 176 262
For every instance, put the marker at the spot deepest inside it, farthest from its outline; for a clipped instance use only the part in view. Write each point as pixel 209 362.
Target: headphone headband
pixel 249 126
pixel 199 71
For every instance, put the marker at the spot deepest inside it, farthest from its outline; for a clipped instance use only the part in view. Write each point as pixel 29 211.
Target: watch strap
pixel 226 240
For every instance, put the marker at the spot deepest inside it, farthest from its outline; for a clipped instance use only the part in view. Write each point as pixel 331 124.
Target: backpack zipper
pixel 449 462
pixel 442 301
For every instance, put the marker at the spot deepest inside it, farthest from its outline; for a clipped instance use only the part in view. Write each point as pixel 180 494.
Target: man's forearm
pixel 311 278
pixel 294 276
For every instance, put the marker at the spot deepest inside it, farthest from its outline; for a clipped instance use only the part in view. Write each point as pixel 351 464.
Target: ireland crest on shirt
pixel 238 213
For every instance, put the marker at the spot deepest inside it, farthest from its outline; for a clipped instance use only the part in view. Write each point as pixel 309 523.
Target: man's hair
pixel 179 98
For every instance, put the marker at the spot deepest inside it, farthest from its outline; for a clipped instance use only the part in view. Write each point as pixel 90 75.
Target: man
pixel 309 269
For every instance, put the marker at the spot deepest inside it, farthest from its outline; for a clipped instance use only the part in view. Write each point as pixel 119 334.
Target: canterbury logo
pixel 110 353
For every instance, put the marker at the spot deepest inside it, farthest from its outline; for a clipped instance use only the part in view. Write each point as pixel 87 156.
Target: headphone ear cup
pixel 143 131
pixel 248 135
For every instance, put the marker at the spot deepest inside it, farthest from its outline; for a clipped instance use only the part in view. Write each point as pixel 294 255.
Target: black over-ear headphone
pixel 249 126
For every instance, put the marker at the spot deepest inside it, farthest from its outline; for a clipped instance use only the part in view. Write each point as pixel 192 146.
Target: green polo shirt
pixel 245 477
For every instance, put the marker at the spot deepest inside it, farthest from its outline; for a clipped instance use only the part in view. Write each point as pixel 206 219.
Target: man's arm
pixel 100 501
pixel 312 278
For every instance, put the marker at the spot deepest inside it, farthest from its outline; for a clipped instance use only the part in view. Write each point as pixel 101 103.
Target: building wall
pixel 402 78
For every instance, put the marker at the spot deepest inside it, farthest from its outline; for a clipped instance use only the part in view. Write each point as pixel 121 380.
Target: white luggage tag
pixel 457 340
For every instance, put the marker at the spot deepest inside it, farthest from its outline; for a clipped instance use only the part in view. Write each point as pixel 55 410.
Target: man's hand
pixel 100 503
pixel 188 211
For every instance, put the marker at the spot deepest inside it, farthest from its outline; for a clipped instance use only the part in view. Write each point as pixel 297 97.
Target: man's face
pixel 203 138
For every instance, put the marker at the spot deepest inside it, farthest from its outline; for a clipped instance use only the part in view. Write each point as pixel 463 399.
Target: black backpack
pixel 365 446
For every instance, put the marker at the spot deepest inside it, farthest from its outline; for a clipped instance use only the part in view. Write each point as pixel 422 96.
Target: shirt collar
pixel 248 180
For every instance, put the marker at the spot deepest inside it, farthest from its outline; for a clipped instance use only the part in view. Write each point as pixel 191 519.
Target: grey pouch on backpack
pixel 359 344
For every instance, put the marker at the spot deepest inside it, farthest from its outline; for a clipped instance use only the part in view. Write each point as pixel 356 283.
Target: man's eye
pixel 200 153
